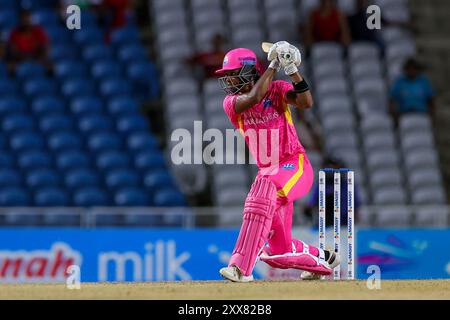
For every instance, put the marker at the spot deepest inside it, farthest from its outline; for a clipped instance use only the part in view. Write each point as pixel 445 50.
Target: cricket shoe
pixel 333 261
pixel 234 274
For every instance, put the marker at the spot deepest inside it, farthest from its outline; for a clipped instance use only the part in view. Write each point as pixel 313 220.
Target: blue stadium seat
pixel 94 123
pixel 14 197
pixel 9 177
pixel 71 69
pixel 75 87
pixel 88 18
pixel 8 19
pixel 8 87
pixel 55 122
pixel 6 160
pixel 104 141
pixel 131 197
pixel 132 52
pixel 86 105
pixel 125 35
pixel 149 160
pixel 63 51
pixel 104 69
pixel 45 18
pixel 59 36
pixel 71 160
pixel 145 79
pixel 40 86
pixel 51 197
pixel 64 141
pixel 90 197
pixel 41 178
pixel 122 106
pixel 121 178
pixel 115 87
pixel 3 141
pixel 168 198
pixel 111 160
pixel 141 141
pixel 97 52
pixel 34 5
pixel 30 69
pixel 158 179
pixel 17 122
pixel 26 141
pixel 3 70
pixel 47 105
pixel 133 123
pixel 85 36
pixel 34 159
pixel 11 105
pixel 81 178
pixel 10 5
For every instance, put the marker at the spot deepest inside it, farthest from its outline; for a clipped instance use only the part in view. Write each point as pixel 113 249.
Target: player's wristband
pixel 301 86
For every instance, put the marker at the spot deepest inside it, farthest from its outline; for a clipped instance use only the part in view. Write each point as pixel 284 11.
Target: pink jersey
pixel 259 125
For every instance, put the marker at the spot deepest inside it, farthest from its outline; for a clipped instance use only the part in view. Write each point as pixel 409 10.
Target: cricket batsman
pixel 254 102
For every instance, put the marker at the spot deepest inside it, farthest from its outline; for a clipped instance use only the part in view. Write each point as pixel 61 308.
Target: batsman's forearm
pixel 260 88
pixel 302 100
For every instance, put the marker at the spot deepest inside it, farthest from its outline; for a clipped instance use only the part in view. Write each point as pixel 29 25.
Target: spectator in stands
pixel 311 209
pixel 358 25
pixel 113 14
pixel 412 91
pixel 327 23
pixel 212 60
pixel 28 42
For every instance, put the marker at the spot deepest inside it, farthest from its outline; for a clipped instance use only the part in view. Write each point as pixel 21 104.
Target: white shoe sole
pixel 230 273
pixel 308 276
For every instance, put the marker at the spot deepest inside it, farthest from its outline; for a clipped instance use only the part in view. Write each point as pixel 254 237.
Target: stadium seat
pixel 6 160
pixel 55 122
pixel 124 35
pixel 60 51
pixel 17 122
pixel 81 178
pixel 131 197
pixel 51 197
pixel 122 106
pixel 147 217
pixel 94 123
pixel 423 157
pixel 157 179
pixel 74 87
pixel 11 105
pixel 59 35
pixel 432 216
pixel 47 105
pixel 132 123
pixel 121 178
pixel 104 141
pixel 167 197
pixel 428 195
pixel 8 88
pixel 104 69
pixel 70 69
pixel 64 141
pixel 88 36
pixel 26 141
pixel 97 52
pixel 385 178
pixel 424 177
pixel 9 177
pixel 73 159
pixel 90 197
pixel 41 178
pixel 111 160
pixel 13 196
pixel 148 160
pixel 45 17
pixel 40 86
pixel 393 216
pixel 34 159
pixel 30 69
pixel 141 141
pixel 390 196
pixel 115 87
pixel 86 105
pixel 131 52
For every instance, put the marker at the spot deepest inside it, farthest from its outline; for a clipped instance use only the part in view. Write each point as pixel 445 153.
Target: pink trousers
pixel 293 180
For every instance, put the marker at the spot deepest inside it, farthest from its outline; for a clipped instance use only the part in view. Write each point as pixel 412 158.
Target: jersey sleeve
pixel 228 107
pixel 282 88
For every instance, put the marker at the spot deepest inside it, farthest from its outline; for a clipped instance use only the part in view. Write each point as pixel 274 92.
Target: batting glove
pixel 290 58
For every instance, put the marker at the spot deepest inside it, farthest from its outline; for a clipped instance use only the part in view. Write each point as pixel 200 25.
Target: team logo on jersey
pixel 267 103
pixel 288 166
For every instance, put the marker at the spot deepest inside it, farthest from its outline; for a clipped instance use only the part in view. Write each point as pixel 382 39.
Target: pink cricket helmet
pixel 238 58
